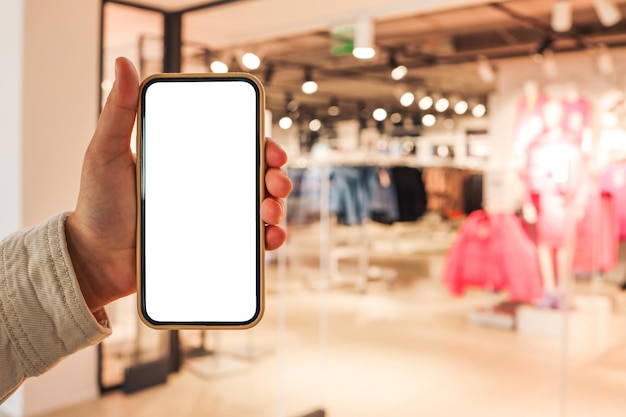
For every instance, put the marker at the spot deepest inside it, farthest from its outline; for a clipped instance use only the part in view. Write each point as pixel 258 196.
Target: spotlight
pixel 429 120
pixel 285 122
pixel 442 104
pixel 549 65
pixel 542 47
pixel 479 110
pixel 561 16
pixel 309 86
pixel 461 107
pixel 407 99
pixel 364 39
pixel 425 102
pixel 443 151
pixel 219 67
pixel 398 72
pixel 608 12
pixel 605 61
pixel 333 107
pixel 315 125
pixel 379 114
pixel 250 61
pixel 485 70
pixel 290 103
pixel 396 118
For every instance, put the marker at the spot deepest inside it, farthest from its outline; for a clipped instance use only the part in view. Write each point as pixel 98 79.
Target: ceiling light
pixel 315 125
pixel 285 122
pixel 605 61
pixel 429 120
pixel 443 151
pixel 461 107
pixel 364 39
pixel 425 102
pixel 485 70
pixel 561 16
pixel 106 85
pixel 309 86
pixel 550 68
pixel 407 99
pixel 396 118
pixel 379 114
pixel 479 110
pixel 538 54
pixel 442 104
pixel 608 12
pixel 449 123
pixel 398 71
pixel 219 67
pixel 251 61
pixel 333 107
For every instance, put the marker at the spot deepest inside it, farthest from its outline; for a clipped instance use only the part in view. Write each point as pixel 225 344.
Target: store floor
pixel 402 347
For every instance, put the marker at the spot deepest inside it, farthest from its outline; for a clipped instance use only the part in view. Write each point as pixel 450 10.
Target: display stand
pixel 323 287
pixel 250 351
pixel 216 364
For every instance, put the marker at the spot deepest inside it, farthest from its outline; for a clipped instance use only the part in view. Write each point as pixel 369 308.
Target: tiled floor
pixel 401 348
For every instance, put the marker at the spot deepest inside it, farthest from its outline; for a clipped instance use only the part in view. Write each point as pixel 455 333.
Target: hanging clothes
pixel 614 182
pixel 493 252
pixel 472 193
pixel 597 235
pixel 410 192
pixel 383 196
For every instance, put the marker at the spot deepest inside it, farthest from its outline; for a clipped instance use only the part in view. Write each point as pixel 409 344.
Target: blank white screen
pixel 200 178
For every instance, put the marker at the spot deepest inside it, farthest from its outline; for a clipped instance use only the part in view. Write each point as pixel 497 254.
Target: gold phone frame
pixel 260 192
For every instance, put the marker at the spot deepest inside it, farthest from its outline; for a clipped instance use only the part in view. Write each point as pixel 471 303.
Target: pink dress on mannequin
pixel 554 183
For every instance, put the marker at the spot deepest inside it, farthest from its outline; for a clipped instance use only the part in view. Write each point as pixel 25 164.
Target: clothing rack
pixel 339 243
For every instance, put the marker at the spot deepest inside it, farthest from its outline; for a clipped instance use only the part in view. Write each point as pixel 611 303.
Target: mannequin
pixel 555 183
pixel 577 117
pixel 529 116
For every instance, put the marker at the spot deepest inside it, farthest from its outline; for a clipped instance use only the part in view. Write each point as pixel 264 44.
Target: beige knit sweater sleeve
pixel 43 316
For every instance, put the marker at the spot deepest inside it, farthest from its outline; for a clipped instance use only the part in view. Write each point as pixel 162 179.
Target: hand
pixel 101 230
pixel 529 212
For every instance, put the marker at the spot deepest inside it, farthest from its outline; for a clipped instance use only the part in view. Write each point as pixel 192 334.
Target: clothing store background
pixel 55 57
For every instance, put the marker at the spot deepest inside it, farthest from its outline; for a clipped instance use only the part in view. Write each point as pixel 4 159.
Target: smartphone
pixel 200 169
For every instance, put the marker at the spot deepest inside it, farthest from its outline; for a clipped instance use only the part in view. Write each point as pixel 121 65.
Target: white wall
pixel 11 41
pixel 61 77
pixel 60 108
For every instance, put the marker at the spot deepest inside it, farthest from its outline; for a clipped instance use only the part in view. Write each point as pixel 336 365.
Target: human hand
pixel 529 212
pixel 101 232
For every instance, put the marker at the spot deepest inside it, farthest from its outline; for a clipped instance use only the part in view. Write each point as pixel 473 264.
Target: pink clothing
pixel 614 183
pixel 597 237
pixel 493 252
pixel 576 117
pixel 555 182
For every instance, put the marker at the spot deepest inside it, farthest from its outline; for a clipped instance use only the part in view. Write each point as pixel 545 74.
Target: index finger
pixel 275 156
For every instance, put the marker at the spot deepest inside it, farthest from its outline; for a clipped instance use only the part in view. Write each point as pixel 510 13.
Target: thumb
pixel 115 126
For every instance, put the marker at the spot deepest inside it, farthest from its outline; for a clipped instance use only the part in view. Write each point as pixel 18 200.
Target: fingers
pixel 112 136
pixel 275 156
pixel 272 210
pixel 277 183
pixel 275 236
